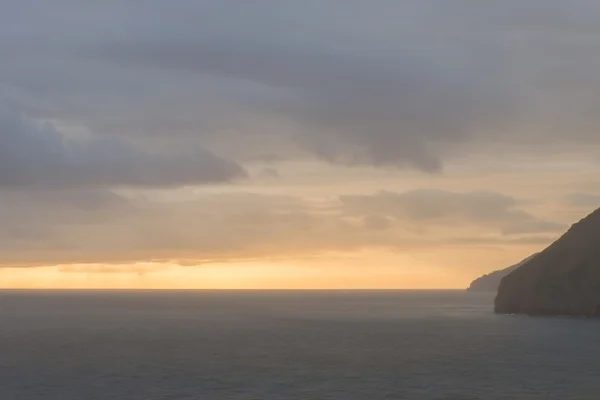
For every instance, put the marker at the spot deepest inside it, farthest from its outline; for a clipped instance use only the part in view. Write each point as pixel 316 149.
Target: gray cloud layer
pixel 33 154
pixel 385 83
pixel 99 95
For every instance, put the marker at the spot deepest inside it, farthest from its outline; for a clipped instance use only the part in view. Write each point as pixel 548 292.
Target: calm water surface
pixel 288 345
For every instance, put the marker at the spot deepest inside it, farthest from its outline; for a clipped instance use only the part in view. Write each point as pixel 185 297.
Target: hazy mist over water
pixel 112 345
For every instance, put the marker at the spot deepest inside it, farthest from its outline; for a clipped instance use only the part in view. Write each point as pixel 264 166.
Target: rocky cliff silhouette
pixel 491 281
pixel 564 279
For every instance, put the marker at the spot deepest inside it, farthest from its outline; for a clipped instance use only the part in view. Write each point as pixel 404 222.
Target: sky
pixel 292 144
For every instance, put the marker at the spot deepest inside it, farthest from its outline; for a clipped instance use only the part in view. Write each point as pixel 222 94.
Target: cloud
pixel 99 98
pixel 389 84
pixel 105 227
pixel 37 154
pixel 98 226
pixel 269 173
pixel 582 200
pixel 376 109
pixel 428 208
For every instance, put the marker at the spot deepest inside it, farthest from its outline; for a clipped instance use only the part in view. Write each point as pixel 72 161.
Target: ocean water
pixel 369 345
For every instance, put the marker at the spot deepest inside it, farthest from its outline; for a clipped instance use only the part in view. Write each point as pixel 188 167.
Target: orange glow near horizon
pixel 364 270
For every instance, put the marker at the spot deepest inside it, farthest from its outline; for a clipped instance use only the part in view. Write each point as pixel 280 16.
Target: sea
pixel 288 345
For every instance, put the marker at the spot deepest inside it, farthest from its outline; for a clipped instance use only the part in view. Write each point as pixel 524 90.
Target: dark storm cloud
pixel 37 154
pixel 384 83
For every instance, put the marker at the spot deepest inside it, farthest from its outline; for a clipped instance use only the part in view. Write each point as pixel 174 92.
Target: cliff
pixel 491 281
pixel 564 279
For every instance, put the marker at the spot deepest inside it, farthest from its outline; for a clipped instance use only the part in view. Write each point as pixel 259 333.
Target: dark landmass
pixel 564 279
pixel 491 281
